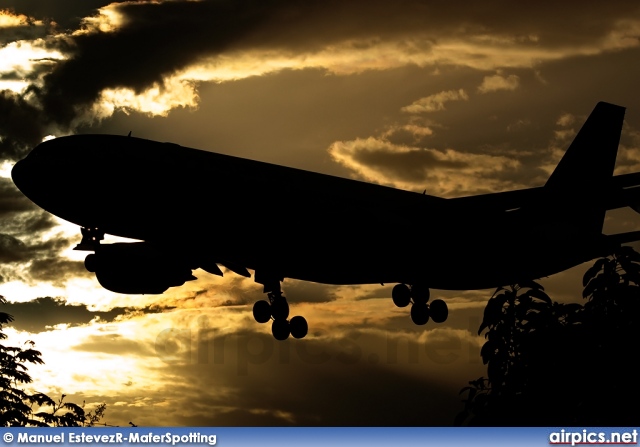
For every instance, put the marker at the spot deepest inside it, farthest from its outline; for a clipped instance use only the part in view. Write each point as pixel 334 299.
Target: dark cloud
pixel 406 136
pixel 54 244
pixel 42 313
pixel 56 270
pixel 22 244
pixel 295 22
pixel 35 316
pixel 114 344
pixel 12 249
pixel 156 40
pixel 38 222
pixel 28 226
pixel 23 125
pixel 20 216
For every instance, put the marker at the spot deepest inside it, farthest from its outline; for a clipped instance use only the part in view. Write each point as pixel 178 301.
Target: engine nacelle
pixel 137 268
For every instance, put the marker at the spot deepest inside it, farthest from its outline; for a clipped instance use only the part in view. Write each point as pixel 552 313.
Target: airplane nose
pixel 27 177
pixel 17 173
pixel 20 176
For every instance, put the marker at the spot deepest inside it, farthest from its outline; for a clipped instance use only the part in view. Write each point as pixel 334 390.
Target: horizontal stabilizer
pixel 624 238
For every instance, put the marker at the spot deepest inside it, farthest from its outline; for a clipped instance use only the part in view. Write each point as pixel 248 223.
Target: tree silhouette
pixel 17 405
pixel 612 291
pixel 561 364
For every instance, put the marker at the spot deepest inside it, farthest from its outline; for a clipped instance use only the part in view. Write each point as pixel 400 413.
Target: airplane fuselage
pixel 304 225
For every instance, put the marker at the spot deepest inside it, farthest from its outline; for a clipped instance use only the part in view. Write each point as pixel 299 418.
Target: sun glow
pixel 86 347
pixel 5 168
pixel 21 57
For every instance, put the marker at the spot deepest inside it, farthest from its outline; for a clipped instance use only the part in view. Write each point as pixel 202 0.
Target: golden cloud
pixel 445 173
pixel 10 19
pixel 157 100
pixel 435 102
pixel 499 82
pixel 565 120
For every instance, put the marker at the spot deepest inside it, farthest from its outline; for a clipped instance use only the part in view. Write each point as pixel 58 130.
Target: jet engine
pixel 138 268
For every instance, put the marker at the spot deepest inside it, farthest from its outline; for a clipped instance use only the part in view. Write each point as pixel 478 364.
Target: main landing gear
pixel 276 309
pixel 421 310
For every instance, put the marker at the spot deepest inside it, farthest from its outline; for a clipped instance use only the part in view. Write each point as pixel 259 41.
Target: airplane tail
pixel 580 184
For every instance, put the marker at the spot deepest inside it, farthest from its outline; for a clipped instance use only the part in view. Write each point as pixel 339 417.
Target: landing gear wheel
pixel 280 329
pixel 299 327
pixel 401 295
pixel 420 313
pixel 419 293
pixel 262 311
pixel 439 311
pixel 280 308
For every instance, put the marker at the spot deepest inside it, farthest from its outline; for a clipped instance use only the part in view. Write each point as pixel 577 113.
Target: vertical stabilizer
pixel 589 161
pixel 580 182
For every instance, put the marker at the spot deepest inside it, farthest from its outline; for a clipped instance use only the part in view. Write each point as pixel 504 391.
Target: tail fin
pixel 583 176
pixel 590 159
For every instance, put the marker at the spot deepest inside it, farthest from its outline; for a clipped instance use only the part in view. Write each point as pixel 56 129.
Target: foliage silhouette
pixel 561 364
pixel 17 405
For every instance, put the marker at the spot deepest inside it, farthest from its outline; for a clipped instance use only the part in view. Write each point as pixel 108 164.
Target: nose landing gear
pixel 91 238
pixel 421 310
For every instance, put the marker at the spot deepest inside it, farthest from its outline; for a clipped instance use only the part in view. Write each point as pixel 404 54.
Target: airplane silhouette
pixel 196 209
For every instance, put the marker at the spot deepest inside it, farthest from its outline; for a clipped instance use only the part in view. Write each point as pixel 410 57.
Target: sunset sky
pixel 455 98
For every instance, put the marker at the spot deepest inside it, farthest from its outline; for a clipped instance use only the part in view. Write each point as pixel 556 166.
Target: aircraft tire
pixel 401 295
pixel 262 311
pixel 299 327
pixel 280 329
pixel 439 311
pixel 420 293
pixel 280 308
pixel 420 313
